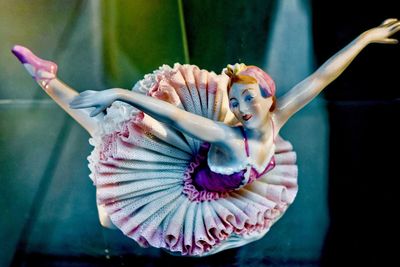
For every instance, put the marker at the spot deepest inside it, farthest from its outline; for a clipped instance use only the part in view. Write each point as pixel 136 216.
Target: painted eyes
pixel 248 98
pixel 234 104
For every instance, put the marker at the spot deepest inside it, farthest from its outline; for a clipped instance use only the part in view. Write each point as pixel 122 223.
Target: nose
pixel 243 109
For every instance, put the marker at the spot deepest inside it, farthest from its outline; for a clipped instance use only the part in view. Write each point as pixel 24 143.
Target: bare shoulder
pixel 229 131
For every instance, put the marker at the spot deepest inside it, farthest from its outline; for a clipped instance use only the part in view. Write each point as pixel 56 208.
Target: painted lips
pixel 247 117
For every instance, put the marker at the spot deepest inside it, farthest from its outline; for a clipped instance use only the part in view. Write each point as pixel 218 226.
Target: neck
pixel 263 131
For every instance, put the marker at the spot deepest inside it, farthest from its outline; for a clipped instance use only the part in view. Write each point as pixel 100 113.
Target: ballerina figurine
pixel 191 161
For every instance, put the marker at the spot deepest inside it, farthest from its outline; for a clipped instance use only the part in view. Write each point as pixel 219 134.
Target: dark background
pixel 364 109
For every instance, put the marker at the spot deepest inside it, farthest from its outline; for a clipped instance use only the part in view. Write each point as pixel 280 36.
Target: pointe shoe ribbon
pixel 41 70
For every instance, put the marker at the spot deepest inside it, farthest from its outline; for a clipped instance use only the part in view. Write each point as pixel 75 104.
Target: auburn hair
pixel 240 73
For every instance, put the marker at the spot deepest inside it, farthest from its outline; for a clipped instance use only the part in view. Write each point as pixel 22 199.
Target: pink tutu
pixel 141 168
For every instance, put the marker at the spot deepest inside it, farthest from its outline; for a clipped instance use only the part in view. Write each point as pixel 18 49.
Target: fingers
pixel 84 100
pixel 395 27
pixel 81 102
pixel 96 111
pixel 87 99
pixel 389 21
pixel 388 41
pixel 87 92
pixel 78 100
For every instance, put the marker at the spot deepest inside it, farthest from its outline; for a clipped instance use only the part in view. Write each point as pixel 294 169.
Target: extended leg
pixel 44 72
pixel 62 95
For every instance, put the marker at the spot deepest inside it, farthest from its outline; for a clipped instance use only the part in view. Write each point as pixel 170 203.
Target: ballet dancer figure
pixel 191 161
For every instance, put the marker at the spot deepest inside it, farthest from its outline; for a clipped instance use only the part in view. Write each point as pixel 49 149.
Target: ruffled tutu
pixel 142 170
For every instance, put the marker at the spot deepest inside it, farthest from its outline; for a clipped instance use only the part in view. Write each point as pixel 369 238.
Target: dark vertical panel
pixel 363 182
pixel 364 141
pixel 222 32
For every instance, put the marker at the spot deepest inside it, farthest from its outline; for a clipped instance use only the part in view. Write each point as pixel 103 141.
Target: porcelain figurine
pixel 191 161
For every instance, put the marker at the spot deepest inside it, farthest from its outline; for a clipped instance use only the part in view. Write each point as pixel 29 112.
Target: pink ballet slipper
pixel 41 70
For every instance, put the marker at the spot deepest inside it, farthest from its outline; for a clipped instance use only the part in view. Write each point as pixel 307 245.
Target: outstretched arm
pixel 308 89
pixel 192 124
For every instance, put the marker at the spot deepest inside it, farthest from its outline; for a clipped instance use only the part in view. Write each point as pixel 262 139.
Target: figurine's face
pixel 248 105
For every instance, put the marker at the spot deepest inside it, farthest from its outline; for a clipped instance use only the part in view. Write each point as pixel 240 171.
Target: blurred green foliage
pixel 139 36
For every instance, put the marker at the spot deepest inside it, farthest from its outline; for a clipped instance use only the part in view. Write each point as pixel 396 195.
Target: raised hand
pixel 98 99
pixel 305 91
pixel 382 33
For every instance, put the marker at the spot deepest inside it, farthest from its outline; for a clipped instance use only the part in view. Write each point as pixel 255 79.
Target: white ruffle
pixel 143 86
pixel 138 164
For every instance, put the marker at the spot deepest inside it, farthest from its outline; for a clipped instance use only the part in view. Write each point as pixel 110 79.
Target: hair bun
pixel 234 70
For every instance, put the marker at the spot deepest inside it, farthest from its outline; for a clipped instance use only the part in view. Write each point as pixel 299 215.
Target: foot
pixel 105 220
pixel 42 71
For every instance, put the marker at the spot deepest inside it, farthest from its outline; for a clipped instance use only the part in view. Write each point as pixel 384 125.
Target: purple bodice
pixel 205 179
